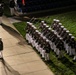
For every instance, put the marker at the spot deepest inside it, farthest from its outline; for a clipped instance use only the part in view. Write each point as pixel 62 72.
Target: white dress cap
pixel 67 31
pixel 47 40
pixel 60 23
pixel 73 37
pixel 62 26
pixel 44 24
pixel 70 34
pixel 42 21
pixel 57 20
pixel 54 19
pixel 49 28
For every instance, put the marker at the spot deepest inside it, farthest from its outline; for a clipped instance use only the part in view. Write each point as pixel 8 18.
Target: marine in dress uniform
pixel 66 35
pixel 37 40
pixel 53 46
pixel 45 31
pixel 58 26
pixel 55 25
pixel 43 28
pixel 28 31
pixel 68 47
pixel 54 22
pixel 41 25
pixel 60 47
pixel 60 30
pixel 56 43
pixel 72 46
pixel 43 43
pixel 47 50
pixel 63 32
pixel 32 35
pixel 48 32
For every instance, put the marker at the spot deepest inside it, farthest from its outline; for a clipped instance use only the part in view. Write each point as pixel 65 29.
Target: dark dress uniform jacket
pixel 1 45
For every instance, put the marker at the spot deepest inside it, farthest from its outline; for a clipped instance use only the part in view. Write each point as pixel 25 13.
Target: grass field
pixel 64 66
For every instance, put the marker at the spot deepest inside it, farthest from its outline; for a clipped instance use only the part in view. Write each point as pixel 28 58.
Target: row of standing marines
pixel 55 38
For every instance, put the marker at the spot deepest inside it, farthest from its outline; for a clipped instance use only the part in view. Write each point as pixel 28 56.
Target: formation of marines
pixel 54 38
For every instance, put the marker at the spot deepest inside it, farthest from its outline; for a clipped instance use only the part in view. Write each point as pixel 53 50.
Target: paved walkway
pixel 19 57
pixel 12 20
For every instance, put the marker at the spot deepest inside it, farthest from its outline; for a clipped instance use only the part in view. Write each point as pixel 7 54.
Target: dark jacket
pixel 1 9
pixel 12 4
pixel 19 2
pixel 1 45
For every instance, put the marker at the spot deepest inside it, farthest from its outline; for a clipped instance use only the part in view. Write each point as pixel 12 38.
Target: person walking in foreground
pixel 1 48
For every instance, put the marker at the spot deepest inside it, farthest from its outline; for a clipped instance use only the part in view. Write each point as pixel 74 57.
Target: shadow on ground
pixel 7 69
pixel 15 34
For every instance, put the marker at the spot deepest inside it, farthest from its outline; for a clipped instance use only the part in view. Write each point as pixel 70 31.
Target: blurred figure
pixel 1 48
pixel 12 5
pixel 19 3
pixel 1 11
pixel 47 49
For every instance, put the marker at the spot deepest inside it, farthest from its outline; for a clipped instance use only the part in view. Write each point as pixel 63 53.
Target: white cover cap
pixel 44 24
pixel 64 29
pixel 57 20
pixel 54 19
pixel 67 31
pixel 42 21
pixel 60 23
pixel 62 26
pixel 49 28
pixel 70 34
pixel 73 37
pixel 47 40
